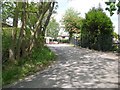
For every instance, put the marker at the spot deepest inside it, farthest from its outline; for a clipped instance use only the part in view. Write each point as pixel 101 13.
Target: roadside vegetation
pixel 23 48
pixel 39 59
pixel 95 31
pixel 53 28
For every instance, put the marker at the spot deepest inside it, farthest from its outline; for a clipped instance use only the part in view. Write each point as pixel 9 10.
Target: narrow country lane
pixel 76 68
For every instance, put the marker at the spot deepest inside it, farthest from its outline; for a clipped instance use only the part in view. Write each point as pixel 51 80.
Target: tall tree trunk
pixel 48 18
pixel 47 21
pixel 14 34
pixel 22 32
pixel 38 25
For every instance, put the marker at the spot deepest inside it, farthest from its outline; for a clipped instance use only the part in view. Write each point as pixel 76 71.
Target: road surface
pixel 75 68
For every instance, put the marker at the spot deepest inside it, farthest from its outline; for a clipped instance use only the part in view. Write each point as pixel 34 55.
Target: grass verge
pixel 40 58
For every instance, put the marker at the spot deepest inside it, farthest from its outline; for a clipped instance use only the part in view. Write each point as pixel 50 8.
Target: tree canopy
pixel 34 18
pixel 97 30
pixel 53 28
pixel 113 6
pixel 72 21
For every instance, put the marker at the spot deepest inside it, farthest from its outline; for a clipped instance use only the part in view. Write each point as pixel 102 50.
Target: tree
pixel 52 28
pixel 97 30
pixel 34 18
pixel 72 21
pixel 14 33
pixel 113 6
pixel 7 10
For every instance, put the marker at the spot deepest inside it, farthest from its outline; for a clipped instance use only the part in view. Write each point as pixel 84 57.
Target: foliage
pixel 113 6
pixel 64 41
pixel 72 21
pixel 23 49
pixel 39 59
pixel 34 18
pixel 97 30
pixel 115 35
pixel 52 28
pixel 6 38
pixel 7 10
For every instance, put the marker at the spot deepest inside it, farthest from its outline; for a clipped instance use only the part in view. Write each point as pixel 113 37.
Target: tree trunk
pixel 12 50
pixel 20 45
pixel 70 36
pixel 48 18
pixel 38 26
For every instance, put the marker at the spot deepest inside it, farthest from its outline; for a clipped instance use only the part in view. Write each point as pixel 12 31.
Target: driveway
pixel 75 68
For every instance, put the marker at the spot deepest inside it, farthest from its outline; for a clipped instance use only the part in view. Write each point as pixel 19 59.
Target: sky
pixel 83 7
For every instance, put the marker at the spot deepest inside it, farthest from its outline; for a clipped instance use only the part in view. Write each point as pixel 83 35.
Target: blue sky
pixel 83 7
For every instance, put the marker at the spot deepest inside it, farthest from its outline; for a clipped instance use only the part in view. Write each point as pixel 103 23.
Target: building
pixel 63 35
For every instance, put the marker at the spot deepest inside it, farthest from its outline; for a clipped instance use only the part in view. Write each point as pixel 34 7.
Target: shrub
pixel 6 42
pixel 97 30
pixel 64 41
pixel 38 60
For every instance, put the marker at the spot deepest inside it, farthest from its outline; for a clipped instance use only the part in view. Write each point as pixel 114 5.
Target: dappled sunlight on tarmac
pixel 75 68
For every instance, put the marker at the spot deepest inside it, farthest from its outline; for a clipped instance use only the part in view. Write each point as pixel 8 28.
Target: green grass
pixel 38 60
pixel 13 71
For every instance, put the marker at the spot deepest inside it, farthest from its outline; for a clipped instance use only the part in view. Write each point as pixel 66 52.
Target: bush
pixel 38 60
pixel 97 31
pixel 6 42
pixel 64 41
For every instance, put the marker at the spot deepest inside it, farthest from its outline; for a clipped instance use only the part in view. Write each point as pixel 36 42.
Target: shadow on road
pixel 75 68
